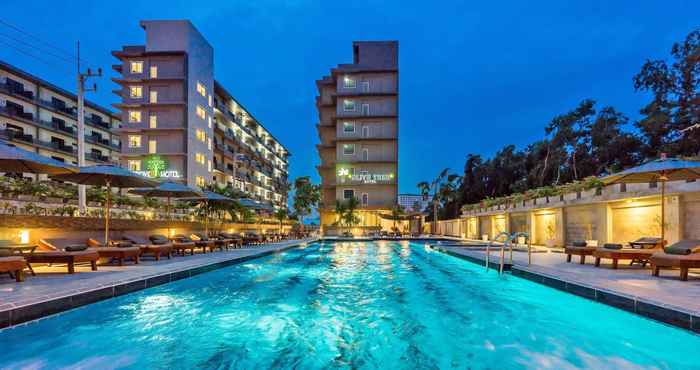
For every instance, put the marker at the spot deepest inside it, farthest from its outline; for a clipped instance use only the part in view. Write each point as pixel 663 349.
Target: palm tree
pixel 443 188
pixel 340 210
pixel 396 213
pixel 281 214
pixel 349 217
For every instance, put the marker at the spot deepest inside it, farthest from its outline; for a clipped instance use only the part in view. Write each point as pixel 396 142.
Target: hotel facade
pixel 358 131
pixel 41 117
pixel 180 124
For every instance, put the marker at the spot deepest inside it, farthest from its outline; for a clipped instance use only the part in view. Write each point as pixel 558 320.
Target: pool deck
pixel 52 290
pixel 634 289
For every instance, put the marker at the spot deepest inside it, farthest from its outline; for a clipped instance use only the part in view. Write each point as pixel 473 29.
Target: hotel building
pixel 179 123
pixel 413 202
pixel 358 130
pixel 41 117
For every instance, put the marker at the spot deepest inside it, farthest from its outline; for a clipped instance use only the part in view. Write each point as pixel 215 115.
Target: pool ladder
pixel 508 243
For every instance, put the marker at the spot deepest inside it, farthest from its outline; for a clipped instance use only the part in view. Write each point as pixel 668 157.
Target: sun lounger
pixel 684 255
pixel 70 252
pixel 210 243
pixel 191 245
pixel 579 248
pixel 235 241
pixel 252 238
pixel 14 265
pixel 150 249
pixel 120 252
pixel 616 252
pixel 179 246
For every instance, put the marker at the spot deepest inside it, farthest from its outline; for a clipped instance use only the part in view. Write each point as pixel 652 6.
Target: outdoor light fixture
pixel 24 237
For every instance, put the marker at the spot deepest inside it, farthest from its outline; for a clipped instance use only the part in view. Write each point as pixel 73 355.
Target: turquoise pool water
pixel 385 305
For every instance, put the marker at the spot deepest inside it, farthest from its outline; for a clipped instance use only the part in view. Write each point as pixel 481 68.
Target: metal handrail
pixel 508 244
pixel 488 246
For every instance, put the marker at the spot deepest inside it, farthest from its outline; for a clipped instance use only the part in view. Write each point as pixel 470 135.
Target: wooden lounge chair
pixel 178 246
pixel 118 251
pixel 150 249
pixel 13 265
pixel 70 252
pixel 183 243
pixel 579 248
pixel 252 239
pixel 684 255
pixel 616 252
pixel 211 243
pixel 235 241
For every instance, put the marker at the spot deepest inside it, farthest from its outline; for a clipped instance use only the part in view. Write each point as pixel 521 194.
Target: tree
pixel 396 213
pixel 349 217
pixel 306 197
pixel 340 210
pixel 280 215
pixel 443 188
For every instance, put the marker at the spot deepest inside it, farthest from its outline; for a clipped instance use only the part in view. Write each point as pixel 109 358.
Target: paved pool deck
pixel 52 290
pixel 631 288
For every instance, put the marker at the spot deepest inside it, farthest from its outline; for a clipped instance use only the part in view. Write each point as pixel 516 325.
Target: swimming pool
pixel 349 305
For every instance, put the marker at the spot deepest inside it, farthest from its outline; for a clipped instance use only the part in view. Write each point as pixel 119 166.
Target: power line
pixel 28 53
pixel 34 46
pixel 37 38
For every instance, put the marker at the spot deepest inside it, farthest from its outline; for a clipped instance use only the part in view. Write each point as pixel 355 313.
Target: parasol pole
pixel 663 179
pixel 109 190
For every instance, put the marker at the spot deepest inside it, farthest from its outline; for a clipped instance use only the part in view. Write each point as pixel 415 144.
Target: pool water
pixel 383 305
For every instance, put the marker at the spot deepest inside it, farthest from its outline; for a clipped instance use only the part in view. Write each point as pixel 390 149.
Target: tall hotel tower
pixel 358 129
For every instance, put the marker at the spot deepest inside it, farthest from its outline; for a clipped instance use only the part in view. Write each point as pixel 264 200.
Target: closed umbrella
pixel 663 169
pixel 108 176
pixel 14 159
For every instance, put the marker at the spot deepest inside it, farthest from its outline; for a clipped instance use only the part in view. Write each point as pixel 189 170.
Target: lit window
pixel 201 89
pixel 209 121
pixel 134 116
pixel 348 193
pixel 154 96
pixel 201 113
pixel 134 141
pixel 349 127
pixel 210 102
pixel 349 105
pixel 199 180
pixel 348 149
pixel 209 144
pixel 349 82
pixel 200 158
pixel 201 136
pixel 136 91
pixel 152 146
pixel 153 121
pixel 209 166
pixel 137 67
pixel 154 71
pixel 134 165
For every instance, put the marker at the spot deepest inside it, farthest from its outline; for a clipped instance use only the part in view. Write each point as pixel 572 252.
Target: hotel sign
pixel 365 178
pixel 156 168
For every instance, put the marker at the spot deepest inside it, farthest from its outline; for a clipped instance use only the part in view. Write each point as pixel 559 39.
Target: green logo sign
pixel 155 165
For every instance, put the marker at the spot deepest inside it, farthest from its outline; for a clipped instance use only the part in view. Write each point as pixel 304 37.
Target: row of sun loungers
pixel 74 252
pixel 683 255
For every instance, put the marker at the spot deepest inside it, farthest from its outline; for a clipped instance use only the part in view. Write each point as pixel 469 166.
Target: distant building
pixel 358 129
pixel 41 117
pixel 181 124
pixel 413 202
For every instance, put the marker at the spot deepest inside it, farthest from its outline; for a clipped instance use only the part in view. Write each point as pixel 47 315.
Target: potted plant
pixel 590 241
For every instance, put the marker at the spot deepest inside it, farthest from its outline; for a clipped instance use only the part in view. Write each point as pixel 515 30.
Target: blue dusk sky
pixel 474 76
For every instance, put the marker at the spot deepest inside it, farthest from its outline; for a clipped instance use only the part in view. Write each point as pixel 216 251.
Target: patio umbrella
pixel 254 204
pixel 107 175
pixel 663 169
pixel 14 159
pixel 207 198
pixel 167 190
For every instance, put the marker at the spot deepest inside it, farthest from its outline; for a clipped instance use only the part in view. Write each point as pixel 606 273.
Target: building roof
pixel 28 76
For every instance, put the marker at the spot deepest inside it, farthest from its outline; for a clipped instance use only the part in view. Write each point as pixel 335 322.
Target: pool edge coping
pixel 56 305
pixel 668 315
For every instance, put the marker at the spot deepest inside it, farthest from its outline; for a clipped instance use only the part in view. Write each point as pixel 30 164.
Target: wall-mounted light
pixel 24 236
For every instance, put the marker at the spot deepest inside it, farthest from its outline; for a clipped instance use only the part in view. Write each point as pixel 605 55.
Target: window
pixel 209 166
pixel 201 113
pixel 137 67
pixel 199 158
pixel 210 102
pixel 365 131
pixel 365 86
pixel 349 149
pixel 209 143
pixel 349 105
pixel 134 141
pixel 199 180
pixel 209 121
pixel 134 116
pixel 153 96
pixel 349 82
pixel 365 109
pixel 152 146
pixel 365 199
pixel 201 136
pixel 348 193
pixel 153 121
pixel 365 154
pixel 201 89
pixel 349 127
pixel 134 165
pixel 136 91
pixel 154 71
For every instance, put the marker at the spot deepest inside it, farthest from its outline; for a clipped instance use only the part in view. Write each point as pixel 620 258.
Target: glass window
pixel 137 67
pixel 348 149
pixel 153 121
pixel 199 158
pixel 201 89
pixel 201 113
pixel 134 141
pixel 136 91
pixel 154 71
pixel 201 136
pixel 348 193
pixel 152 146
pixel 134 116
pixel 209 143
pixel 349 127
pixel 199 180
pixel 134 165
pixel 349 105
pixel 349 82
pixel 154 96
pixel 365 199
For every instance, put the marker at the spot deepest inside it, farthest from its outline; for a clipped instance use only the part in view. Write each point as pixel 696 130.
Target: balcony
pixel 14 135
pixel 17 112
pixel 95 157
pixel 16 90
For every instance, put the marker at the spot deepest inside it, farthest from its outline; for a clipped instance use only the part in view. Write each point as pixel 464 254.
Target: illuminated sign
pixel 156 168
pixel 364 178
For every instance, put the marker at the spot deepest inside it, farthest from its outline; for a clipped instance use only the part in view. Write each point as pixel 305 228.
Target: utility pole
pixel 82 77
